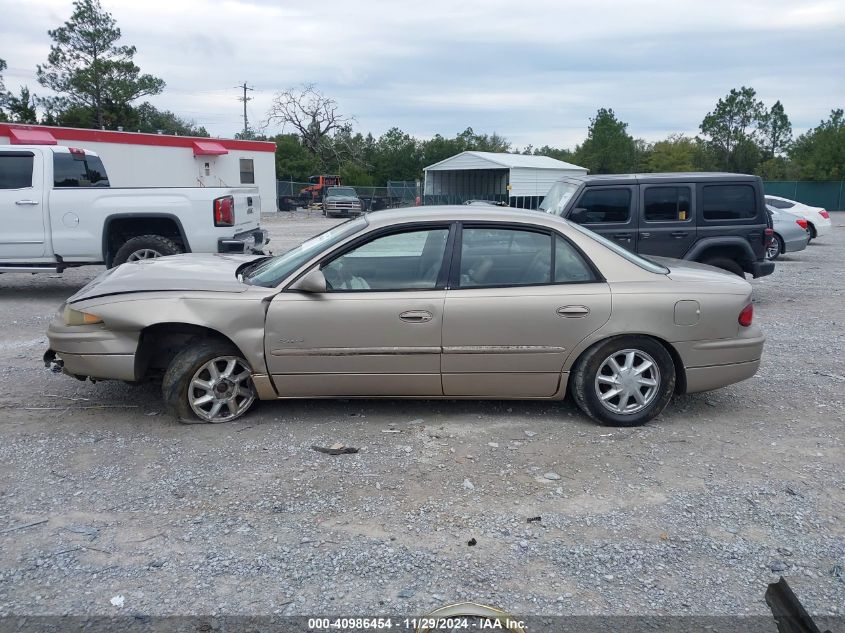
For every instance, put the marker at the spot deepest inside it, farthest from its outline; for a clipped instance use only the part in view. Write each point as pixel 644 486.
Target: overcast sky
pixel 531 70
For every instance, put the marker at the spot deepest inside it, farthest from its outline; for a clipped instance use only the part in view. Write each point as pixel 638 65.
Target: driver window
pixel 400 261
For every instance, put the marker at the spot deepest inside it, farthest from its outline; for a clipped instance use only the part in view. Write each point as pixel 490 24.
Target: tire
pixel 590 380
pixel 154 245
pixel 730 265
pixel 812 230
pixel 193 364
pixel 776 249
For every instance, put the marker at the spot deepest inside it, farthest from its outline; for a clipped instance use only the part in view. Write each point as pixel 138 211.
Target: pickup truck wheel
pixel 145 247
pixel 725 264
pixel 208 382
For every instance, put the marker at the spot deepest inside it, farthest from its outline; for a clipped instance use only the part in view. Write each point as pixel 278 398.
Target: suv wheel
pixel 725 263
pixel 208 381
pixel 145 247
pixel 624 381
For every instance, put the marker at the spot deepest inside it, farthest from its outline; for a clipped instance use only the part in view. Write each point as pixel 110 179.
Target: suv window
pixel 728 202
pixel 504 257
pixel 666 204
pixel 399 261
pixel 16 170
pixel 605 205
pixel 78 170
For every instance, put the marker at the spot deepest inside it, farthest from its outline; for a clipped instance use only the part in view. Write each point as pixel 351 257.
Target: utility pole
pixel 244 87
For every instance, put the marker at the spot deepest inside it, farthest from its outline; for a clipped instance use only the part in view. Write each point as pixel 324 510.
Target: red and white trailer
pixel 162 160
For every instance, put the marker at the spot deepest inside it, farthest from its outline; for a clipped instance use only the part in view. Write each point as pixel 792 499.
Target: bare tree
pixel 309 113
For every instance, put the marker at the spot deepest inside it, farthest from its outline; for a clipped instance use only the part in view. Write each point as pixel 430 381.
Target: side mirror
pixel 313 281
pixel 578 215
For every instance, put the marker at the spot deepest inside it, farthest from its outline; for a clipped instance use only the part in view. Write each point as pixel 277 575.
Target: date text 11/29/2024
pixel 418 625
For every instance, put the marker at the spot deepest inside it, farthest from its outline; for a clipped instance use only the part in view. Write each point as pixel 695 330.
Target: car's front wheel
pixel 624 381
pixel 209 381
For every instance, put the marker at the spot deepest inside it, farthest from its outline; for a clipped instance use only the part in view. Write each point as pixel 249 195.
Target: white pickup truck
pixel 57 211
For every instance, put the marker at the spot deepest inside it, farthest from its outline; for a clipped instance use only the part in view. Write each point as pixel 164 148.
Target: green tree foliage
pixel 88 68
pixel 676 153
pixel 732 128
pixel 293 160
pixel 2 90
pixel 775 131
pixel 609 149
pixel 21 108
pixel 147 118
pixel 820 152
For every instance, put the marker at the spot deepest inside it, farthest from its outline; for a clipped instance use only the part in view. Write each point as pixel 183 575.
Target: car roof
pixel 630 179
pixel 463 213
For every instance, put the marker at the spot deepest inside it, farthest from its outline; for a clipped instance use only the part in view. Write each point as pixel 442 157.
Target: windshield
pixel 272 271
pixel 342 191
pixel 558 197
pixel 642 262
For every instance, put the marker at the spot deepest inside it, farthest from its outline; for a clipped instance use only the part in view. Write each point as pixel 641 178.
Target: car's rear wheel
pixel 145 247
pixel 624 381
pixel 210 382
pixel 775 248
pixel 730 265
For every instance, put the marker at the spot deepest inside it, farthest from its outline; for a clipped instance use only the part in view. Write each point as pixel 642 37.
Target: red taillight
pixel 802 223
pixel 224 211
pixel 824 214
pixel 747 315
pixel 769 235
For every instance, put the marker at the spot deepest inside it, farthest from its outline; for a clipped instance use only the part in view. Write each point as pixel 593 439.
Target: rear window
pixel 605 205
pixel 16 170
pixel 728 202
pixel 78 170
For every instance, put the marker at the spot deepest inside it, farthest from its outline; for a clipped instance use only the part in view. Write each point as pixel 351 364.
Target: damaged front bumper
pixel 90 351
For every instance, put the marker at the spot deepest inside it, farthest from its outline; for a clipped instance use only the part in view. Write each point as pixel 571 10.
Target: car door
pixel 21 202
pixel 667 220
pixel 520 298
pixel 609 211
pixel 377 329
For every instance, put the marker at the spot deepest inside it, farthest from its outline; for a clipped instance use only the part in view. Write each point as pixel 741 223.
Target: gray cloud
pixel 533 71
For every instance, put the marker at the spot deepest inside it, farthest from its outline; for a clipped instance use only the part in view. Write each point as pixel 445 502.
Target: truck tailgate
pixel 247 209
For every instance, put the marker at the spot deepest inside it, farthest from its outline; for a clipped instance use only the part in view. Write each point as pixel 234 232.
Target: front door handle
pixel 679 234
pixel 28 203
pixel 416 316
pixel 572 312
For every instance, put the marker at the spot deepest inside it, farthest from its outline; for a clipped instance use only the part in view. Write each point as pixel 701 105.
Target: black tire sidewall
pixel 158 243
pixel 779 242
pixel 177 377
pixel 588 366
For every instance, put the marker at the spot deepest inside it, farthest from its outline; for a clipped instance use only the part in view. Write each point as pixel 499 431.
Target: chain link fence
pixel 828 194
pixel 292 195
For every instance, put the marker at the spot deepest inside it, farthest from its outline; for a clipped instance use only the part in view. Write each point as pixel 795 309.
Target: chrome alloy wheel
pixel 627 381
pixel 773 249
pixel 221 389
pixel 143 253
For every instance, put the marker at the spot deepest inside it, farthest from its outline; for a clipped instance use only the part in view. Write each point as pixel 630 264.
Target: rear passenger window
pixel 728 202
pixel 605 205
pixel 570 266
pixel 504 257
pixel 666 204
pixel 15 170
pixel 78 170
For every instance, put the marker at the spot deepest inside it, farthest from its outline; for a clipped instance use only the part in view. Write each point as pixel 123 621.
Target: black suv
pixel 712 218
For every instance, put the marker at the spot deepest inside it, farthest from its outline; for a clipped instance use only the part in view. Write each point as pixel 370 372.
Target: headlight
pixel 75 317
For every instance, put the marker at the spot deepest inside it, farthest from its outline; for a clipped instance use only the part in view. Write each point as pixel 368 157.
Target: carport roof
pixel 495 160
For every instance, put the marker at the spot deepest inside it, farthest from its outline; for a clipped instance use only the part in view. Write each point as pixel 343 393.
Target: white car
pixel 818 220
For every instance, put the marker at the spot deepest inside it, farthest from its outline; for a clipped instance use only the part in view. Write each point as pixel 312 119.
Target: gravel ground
pixel 103 495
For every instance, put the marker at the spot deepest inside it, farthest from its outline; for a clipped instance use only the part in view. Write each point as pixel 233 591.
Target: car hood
pixel 683 270
pixel 197 272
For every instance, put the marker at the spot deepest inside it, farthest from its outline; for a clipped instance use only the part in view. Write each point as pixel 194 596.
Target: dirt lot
pixel 103 495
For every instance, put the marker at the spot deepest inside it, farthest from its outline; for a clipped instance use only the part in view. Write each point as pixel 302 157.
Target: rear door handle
pixel 416 316
pixel 622 236
pixel 679 234
pixel 28 203
pixel 573 311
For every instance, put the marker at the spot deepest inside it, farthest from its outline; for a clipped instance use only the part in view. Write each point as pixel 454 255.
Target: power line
pixel 245 99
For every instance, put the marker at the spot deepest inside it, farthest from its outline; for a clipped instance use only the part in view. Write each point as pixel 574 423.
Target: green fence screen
pixel 828 194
